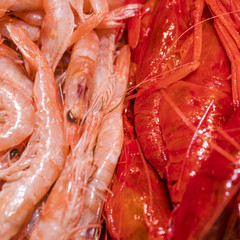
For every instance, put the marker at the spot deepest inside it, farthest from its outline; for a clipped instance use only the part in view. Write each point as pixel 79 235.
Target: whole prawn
pixel 65 204
pixel 29 179
pixel 78 83
pixel 137 206
pixel 213 187
pixel 199 96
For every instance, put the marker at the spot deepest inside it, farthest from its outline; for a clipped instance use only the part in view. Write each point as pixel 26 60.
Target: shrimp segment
pixel 107 150
pixel 42 161
pixel 57 27
pixel 17 116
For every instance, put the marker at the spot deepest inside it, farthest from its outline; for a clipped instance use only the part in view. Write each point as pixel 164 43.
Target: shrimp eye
pixel 14 153
pixel 71 118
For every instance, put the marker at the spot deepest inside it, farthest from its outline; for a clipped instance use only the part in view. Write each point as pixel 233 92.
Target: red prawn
pixel 144 211
pixel 203 97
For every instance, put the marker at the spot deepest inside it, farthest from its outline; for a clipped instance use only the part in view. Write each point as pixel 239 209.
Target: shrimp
pixel 33 31
pixel 228 14
pixel 29 179
pixel 17 116
pixel 57 28
pixel 137 206
pixel 78 82
pixel 107 150
pixel 64 206
pixel 17 111
pixel 214 186
pixel 103 82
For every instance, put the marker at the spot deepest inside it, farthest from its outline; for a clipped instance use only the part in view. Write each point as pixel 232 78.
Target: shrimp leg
pixel 43 159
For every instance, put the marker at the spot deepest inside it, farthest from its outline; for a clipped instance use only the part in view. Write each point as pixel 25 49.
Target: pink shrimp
pixel 213 187
pixel 29 179
pixel 107 150
pixel 57 28
pixel 78 83
pixel 65 202
pixel 17 111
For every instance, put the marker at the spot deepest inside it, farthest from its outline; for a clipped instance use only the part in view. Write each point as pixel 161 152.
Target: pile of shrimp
pixel 148 88
pixel 63 77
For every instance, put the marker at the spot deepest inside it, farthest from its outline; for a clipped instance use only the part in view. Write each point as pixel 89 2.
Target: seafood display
pixel 119 119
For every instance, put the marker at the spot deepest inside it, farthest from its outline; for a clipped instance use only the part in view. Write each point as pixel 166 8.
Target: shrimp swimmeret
pixel 30 178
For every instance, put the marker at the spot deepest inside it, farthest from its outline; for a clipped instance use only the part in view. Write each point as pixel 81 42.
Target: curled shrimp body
pixel 107 150
pixel 57 27
pixel 78 83
pixel 23 5
pixel 29 179
pixel 17 116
